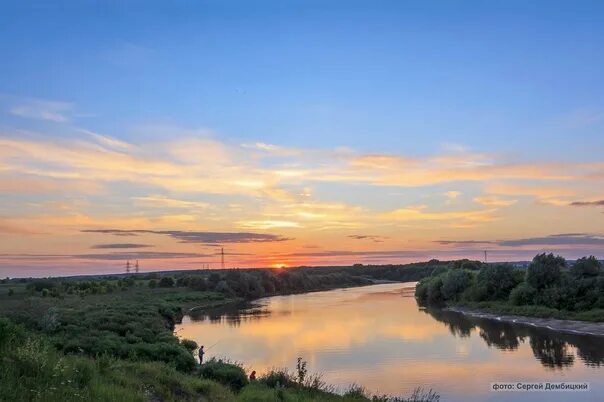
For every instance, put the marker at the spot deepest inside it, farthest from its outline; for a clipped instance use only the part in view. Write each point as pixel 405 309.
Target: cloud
pixel 582 239
pixel 7 227
pixel 106 141
pixel 163 201
pixel 463 242
pixel 494 201
pixel 374 238
pixel 42 110
pixel 268 224
pixel 562 239
pixel 452 195
pixel 120 245
pixel 598 203
pixel 420 213
pixel 136 255
pixel 210 238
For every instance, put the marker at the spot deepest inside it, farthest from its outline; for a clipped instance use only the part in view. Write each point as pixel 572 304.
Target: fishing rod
pixel 215 343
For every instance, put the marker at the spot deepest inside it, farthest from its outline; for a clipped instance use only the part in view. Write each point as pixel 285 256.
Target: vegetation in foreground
pixel 548 288
pixel 111 338
pixel 33 370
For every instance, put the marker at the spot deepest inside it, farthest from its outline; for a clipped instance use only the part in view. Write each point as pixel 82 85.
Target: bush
pixel 429 290
pixel 454 282
pixel 278 378
pixel 189 345
pixel 434 294
pixel 522 294
pixel 498 281
pixel 229 374
pixel 166 282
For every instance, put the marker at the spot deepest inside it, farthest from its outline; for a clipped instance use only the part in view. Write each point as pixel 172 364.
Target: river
pixel 377 336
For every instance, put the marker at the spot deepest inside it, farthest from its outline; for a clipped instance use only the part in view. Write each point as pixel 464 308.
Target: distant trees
pixel 586 267
pixel 546 282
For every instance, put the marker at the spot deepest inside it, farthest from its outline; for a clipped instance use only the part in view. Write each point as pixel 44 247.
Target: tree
pixel 586 267
pixel 152 283
pixel 545 270
pixel 454 282
pixel 166 282
pixel 498 281
pixel 522 294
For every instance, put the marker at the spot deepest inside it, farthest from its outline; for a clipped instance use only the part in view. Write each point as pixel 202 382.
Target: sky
pixel 297 133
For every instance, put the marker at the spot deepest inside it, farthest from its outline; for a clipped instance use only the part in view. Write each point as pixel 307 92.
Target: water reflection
pixel 231 314
pixel 554 350
pixel 378 337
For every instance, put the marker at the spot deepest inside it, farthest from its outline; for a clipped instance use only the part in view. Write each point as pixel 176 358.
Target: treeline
pixel 549 282
pixel 243 283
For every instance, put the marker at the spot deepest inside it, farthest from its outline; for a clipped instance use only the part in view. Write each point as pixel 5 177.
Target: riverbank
pixel 560 325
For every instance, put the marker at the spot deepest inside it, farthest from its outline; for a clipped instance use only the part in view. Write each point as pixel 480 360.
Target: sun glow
pixel 279 265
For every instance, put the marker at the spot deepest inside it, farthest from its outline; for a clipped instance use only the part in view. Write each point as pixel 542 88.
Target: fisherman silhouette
pixel 201 353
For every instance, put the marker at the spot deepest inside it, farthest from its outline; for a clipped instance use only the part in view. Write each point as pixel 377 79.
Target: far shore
pixel 567 326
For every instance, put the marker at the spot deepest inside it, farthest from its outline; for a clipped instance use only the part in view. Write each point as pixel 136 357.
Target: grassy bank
pixel 33 370
pixel 111 338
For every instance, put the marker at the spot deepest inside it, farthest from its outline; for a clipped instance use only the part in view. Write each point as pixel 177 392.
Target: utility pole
pixel 136 267
pixel 222 257
pixel 128 266
pixel 485 256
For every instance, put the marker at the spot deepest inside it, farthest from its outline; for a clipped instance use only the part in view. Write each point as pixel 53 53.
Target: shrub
pixel 498 281
pixel 522 294
pixel 189 345
pixel 229 374
pixel 454 282
pixel 278 378
pixel 166 282
pixel 434 294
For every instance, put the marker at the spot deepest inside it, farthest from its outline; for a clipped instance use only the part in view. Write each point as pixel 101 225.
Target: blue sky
pixel 514 85
pixel 377 75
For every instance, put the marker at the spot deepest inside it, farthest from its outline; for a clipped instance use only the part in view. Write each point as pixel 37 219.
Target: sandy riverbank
pixel 568 326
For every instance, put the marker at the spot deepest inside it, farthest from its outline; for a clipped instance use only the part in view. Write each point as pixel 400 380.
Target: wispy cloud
pixel 374 238
pixel 597 203
pixel 557 240
pixel 137 255
pixel 199 237
pixel 43 110
pixel 562 239
pixel 494 201
pixel 120 245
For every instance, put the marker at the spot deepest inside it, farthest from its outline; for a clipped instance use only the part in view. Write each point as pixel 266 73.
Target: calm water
pixel 378 337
